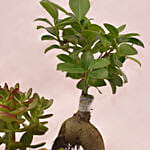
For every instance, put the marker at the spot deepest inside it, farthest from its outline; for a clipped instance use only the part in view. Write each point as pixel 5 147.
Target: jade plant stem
pixel 10 140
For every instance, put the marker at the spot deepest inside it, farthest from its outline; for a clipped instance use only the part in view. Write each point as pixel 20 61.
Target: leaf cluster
pixel 22 112
pixel 91 53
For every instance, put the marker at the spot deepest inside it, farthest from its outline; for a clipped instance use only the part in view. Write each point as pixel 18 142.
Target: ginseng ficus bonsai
pixel 22 112
pixel 92 54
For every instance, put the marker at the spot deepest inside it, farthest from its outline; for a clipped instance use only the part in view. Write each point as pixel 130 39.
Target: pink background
pixel 124 118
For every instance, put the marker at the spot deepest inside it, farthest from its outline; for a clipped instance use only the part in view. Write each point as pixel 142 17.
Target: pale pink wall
pixel 124 118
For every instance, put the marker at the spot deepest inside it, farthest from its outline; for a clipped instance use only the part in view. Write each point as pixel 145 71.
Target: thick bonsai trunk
pixel 78 131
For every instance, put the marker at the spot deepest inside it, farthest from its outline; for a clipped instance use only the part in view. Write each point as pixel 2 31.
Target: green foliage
pixel 79 8
pixel 80 40
pixel 22 112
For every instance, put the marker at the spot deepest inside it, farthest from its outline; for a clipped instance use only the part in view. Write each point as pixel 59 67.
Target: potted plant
pixel 91 54
pixel 22 112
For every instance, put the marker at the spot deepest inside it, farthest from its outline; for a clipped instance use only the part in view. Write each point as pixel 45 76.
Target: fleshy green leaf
pixel 26 139
pixel 70 67
pixel 4 108
pixel 86 59
pixel 8 117
pixel 20 110
pixel 50 9
pixel 46 116
pixel 99 63
pixel 121 28
pixel 135 60
pixel 113 31
pixel 79 7
pixel 40 130
pixel 33 104
pixel 99 74
pixel 51 47
pixel 64 58
pixel 28 93
pixel 126 49
pixel 46 103
pixel 37 145
pixel 47 37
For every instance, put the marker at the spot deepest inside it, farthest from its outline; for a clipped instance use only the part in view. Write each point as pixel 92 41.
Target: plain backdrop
pixel 123 119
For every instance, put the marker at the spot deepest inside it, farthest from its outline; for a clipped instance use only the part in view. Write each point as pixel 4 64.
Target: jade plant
pixel 92 54
pixel 22 112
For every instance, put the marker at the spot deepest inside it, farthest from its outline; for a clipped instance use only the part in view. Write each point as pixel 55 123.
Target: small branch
pixel 107 54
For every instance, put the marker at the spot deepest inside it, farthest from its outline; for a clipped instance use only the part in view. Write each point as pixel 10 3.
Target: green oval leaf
pixel 51 47
pixel 82 84
pixel 113 30
pixel 99 74
pixel 95 27
pixel 50 9
pixel 91 36
pixel 126 49
pixel 44 20
pixel 117 80
pixel 136 41
pixel 96 82
pixel 105 41
pixel 113 86
pixel 58 7
pixel 86 59
pixel 99 63
pixel 64 58
pixel 129 35
pixel 79 7
pixel 74 75
pixel 135 60
pixel 124 76
pixel 47 37
pixel 70 67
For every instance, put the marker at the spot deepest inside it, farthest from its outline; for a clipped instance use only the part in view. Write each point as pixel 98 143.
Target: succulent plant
pixel 22 112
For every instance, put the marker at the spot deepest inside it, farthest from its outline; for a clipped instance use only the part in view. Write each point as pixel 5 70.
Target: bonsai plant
pixel 22 113
pixel 91 54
